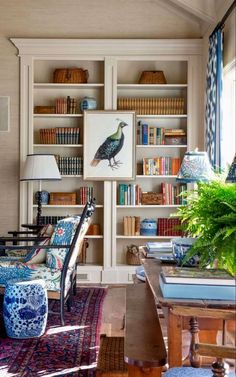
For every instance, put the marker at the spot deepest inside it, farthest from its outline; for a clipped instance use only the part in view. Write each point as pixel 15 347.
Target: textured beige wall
pixel 67 19
pixel 230 38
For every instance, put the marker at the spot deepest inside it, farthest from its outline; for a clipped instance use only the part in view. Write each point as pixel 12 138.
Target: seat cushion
pixel 17 270
pixel 63 235
pixel 191 372
pixel 188 372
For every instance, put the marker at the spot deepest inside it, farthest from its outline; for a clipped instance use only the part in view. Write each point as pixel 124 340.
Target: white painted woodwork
pixel 114 66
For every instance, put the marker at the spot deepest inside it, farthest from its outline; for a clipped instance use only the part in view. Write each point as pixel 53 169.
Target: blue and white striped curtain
pixel 213 116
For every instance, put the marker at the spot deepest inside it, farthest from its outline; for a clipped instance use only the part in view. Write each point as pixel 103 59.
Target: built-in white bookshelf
pixel 114 68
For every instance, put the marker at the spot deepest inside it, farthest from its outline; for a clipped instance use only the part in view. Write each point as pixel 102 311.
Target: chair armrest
pixel 32 247
pixel 15 232
pixel 21 239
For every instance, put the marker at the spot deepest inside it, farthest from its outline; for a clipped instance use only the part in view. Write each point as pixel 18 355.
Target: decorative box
pixel 44 109
pixel 63 198
pixel 175 140
pixel 148 227
pixel 151 198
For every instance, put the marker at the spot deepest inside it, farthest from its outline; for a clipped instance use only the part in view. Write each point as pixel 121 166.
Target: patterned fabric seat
pixel 56 261
pixel 191 372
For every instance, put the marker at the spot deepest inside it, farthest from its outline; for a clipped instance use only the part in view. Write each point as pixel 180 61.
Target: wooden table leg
pixel 174 329
pixel 135 371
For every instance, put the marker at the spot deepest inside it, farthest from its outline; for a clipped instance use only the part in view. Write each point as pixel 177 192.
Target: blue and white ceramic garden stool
pixel 25 308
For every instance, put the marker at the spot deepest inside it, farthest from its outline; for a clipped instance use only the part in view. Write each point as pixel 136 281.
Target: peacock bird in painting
pixel 111 147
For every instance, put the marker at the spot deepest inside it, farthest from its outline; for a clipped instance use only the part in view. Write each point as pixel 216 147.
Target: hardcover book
pixel 197 291
pixel 185 275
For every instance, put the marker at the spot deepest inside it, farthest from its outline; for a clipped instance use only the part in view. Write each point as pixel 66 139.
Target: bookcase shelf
pixel 121 236
pixel 58 115
pixel 161 146
pixel 153 206
pixel 58 145
pixel 68 86
pixel 114 69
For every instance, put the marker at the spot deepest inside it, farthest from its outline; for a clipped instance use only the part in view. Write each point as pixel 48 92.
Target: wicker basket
pixel 70 75
pixel 134 255
pixel 152 77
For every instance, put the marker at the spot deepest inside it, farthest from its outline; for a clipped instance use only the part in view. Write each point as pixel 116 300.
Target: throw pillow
pixel 63 235
pixel 38 255
pixel 46 231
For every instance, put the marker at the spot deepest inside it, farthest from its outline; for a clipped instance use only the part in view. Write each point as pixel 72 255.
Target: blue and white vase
pixel 88 103
pixel 148 227
pixel 180 246
pixel 25 308
pixel 44 197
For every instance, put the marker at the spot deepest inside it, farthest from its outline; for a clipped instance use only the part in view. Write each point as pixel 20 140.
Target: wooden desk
pixel 175 310
pixel 144 348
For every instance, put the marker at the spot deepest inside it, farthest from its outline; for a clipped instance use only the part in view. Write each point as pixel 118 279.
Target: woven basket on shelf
pixel 152 77
pixel 70 76
pixel 134 255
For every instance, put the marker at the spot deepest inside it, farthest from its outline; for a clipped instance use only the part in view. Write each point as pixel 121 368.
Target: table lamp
pixel 195 167
pixel 40 167
pixel 231 177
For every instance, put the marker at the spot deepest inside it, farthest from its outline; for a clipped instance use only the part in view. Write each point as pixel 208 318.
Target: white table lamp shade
pixel 40 167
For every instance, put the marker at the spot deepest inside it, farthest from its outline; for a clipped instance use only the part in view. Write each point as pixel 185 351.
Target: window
pixel 228 136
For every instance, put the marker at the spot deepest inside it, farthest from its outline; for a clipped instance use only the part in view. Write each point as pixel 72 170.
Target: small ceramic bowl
pixel 180 246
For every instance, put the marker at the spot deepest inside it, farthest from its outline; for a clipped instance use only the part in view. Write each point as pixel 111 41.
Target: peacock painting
pixel 111 147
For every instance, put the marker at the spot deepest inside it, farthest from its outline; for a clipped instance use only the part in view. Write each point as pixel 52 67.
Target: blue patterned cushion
pixel 63 235
pixel 191 372
pixel 188 372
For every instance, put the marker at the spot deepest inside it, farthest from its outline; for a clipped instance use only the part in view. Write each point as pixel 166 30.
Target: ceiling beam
pixel 204 10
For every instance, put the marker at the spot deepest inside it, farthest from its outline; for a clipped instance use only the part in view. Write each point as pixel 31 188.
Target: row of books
pixel 169 227
pixel 151 135
pixel 131 225
pixel 65 105
pixel 129 194
pixel 85 194
pixel 171 194
pixel 59 135
pixel 132 194
pixel 195 283
pixel 44 220
pixel 70 165
pixel 161 165
pixel 165 226
pixel 163 106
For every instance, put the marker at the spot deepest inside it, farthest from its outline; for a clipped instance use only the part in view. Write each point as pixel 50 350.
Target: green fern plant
pixel 210 216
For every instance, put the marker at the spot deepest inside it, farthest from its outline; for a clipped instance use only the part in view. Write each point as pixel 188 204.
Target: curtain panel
pixel 213 115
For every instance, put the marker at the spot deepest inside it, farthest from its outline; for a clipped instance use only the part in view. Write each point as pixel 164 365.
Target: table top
pixel 153 268
pixel 144 344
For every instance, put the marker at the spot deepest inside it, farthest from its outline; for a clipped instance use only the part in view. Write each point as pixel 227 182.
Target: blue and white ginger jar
pixel 88 103
pixel 148 227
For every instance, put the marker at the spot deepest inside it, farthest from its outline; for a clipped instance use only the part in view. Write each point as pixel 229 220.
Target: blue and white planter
pixel 25 308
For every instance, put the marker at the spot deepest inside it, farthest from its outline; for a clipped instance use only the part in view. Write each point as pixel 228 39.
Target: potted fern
pixel 210 216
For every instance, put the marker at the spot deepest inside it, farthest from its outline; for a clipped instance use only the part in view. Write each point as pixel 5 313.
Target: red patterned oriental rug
pixel 69 351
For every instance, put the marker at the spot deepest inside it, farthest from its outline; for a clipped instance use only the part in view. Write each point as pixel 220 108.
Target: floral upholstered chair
pixel 54 262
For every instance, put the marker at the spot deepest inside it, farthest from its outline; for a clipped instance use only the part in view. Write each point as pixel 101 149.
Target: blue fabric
pixel 213 116
pixel 191 372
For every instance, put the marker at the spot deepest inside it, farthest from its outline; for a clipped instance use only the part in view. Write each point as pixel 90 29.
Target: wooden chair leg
pixel 193 355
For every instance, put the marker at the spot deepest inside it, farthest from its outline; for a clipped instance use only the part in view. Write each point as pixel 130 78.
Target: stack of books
pixel 160 250
pixel 194 283
pixel 131 225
